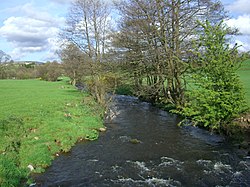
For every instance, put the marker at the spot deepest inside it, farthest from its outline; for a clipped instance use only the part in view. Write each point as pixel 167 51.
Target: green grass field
pixel 38 120
pixel 244 73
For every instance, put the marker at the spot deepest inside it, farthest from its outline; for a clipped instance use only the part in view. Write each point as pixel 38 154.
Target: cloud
pixel 27 33
pixel 51 54
pixel 244 45
pixel 241 11
pixel 241 22
pixel 62 1
pixel 239 6
pixel 41 14
pixel 242 41
pixel 32 32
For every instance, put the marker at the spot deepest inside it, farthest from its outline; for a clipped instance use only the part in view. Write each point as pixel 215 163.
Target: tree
pixel 4 58
pixel 75 63
pixel 3 74
pixel 155 37
pixel 49 71
pixel 88 24
pixel 216 97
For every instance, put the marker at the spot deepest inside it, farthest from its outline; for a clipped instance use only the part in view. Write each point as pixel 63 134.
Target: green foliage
pixel 10 173
pixel 40 119
pixel 49 71
pixel 217 97
pixel 124 89
pixel 17 71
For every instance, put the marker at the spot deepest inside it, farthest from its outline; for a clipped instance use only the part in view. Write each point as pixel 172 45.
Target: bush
pixel 217 97
pixel 49 71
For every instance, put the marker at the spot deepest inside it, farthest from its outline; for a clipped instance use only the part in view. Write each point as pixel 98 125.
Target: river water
pixel 143 146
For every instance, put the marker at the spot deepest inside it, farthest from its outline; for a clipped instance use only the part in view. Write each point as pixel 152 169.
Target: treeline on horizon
pixel 48 71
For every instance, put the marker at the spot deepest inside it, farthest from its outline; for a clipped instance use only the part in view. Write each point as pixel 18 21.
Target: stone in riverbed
pixel 102 129
pixel 134 141
pixel 30 167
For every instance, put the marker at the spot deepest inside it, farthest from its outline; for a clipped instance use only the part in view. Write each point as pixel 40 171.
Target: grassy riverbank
pixel 38 121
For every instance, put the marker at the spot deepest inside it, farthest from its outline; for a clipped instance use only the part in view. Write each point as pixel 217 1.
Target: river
pixel 143 146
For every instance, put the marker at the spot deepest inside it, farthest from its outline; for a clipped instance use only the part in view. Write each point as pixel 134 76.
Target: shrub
pixel 49 71
pixel 217 97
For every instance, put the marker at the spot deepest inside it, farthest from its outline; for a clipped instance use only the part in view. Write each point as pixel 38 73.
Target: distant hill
pixel 4 58
pixel 28 62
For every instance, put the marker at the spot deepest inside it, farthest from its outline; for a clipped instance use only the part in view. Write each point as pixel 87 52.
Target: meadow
pixel 38 121
pixel 244 73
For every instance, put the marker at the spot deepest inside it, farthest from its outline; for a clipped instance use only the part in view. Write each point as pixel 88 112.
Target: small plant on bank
pixel 217 95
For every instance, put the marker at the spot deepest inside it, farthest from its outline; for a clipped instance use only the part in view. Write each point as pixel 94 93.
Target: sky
pixel 29 28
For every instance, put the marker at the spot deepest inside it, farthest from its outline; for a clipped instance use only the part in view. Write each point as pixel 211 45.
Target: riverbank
pixel 38 121
pixel 238 130
pixel 162 154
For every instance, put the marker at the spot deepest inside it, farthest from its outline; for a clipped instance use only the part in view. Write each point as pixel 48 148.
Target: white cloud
pixel 27 33
pixel 240 6
pixel 51 55
pixel 32 31
pixel 244 46
pixel 16 54
pixel 61 1
pixel 30 11
pixel 240 9
pixel 242 23
pixel 242 41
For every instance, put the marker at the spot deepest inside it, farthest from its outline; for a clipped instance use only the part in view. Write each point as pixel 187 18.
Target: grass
pixel 244 74
pixel 39 120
